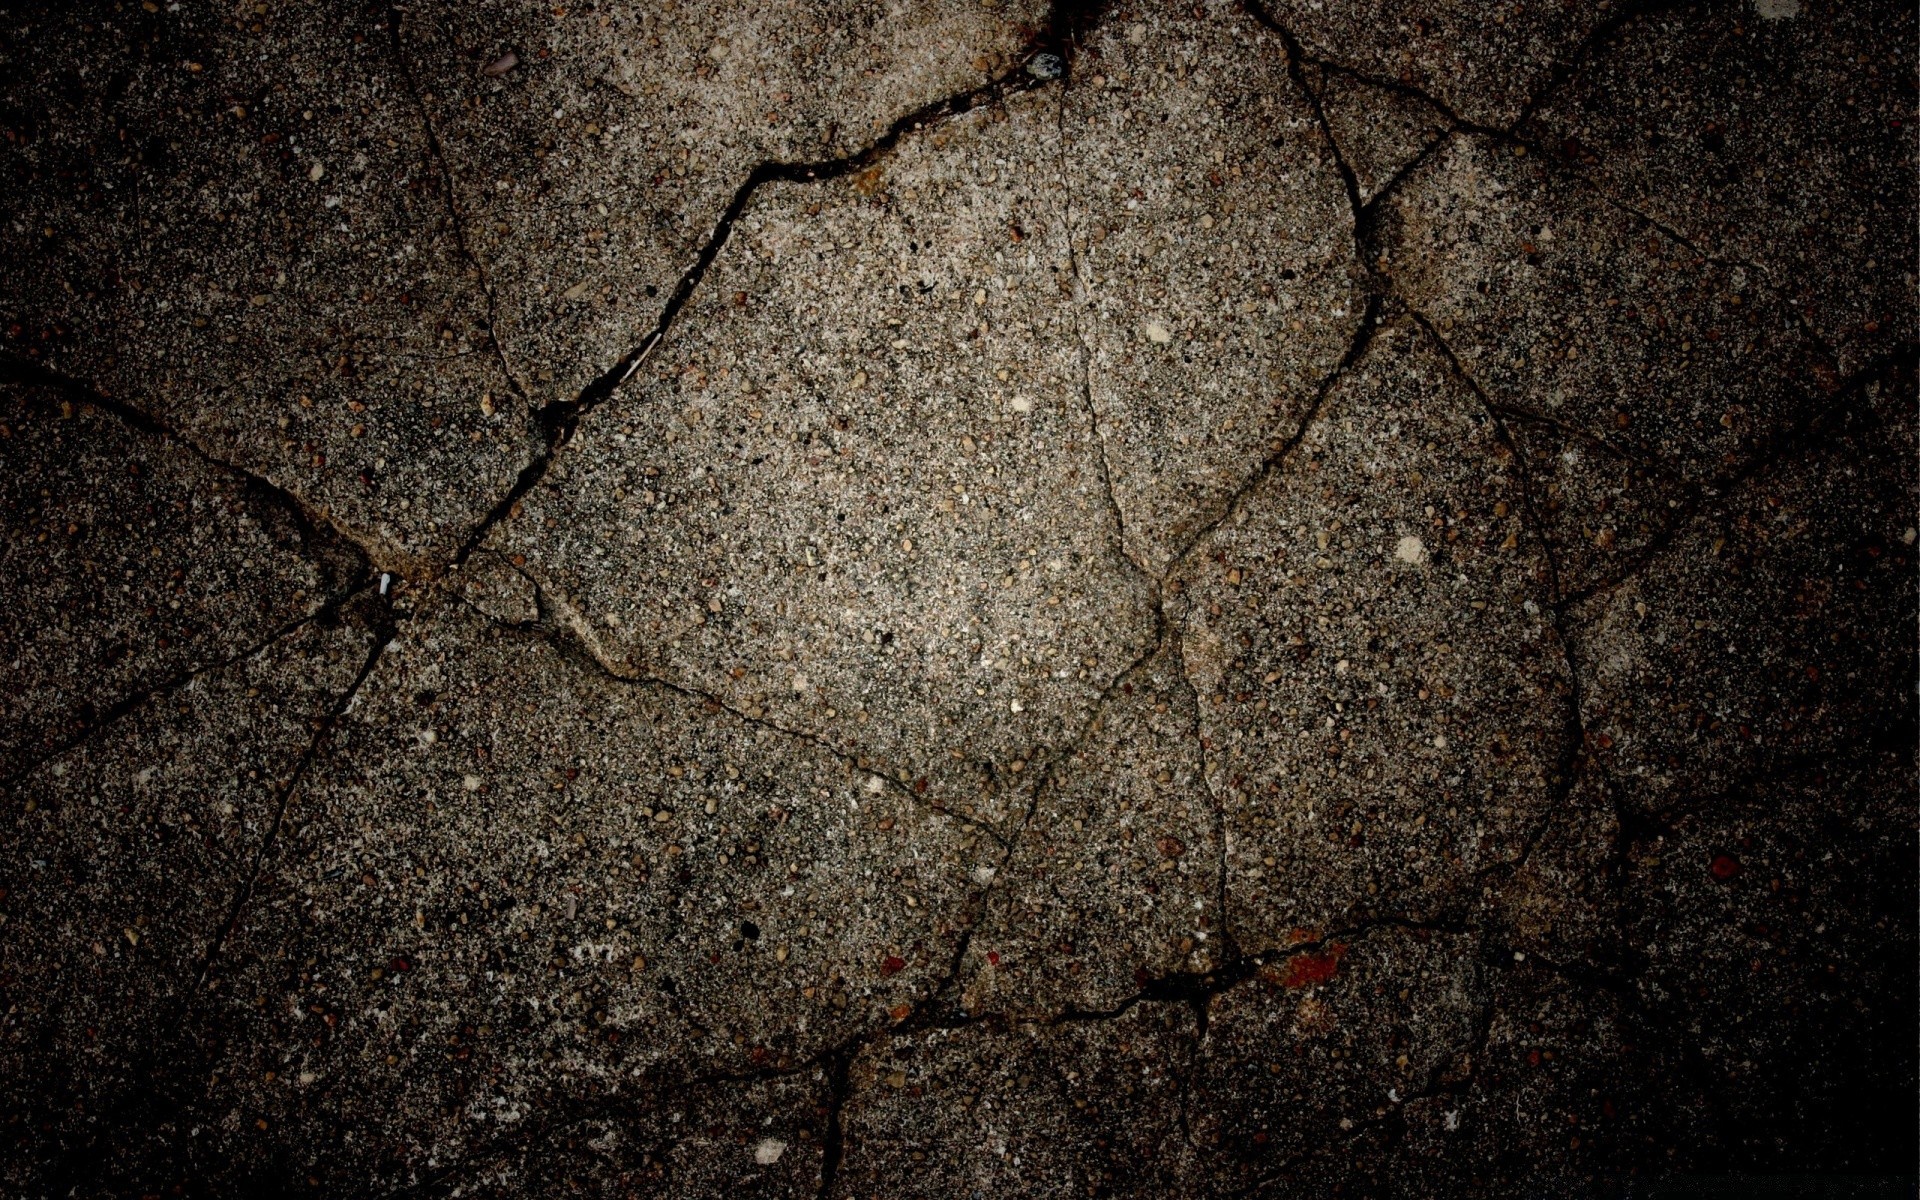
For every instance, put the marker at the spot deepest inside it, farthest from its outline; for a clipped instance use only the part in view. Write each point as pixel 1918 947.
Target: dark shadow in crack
pixel 1050 59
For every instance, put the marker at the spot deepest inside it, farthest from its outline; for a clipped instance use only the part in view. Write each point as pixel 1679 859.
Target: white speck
pixel 1777 10
pixel 470 782
pixel 316 173
pixel 876 785
pixel 983 875
pixel 386 580
pixel 1157 333
pixel 768 1152
pixel 1016 706
pixel 1410 549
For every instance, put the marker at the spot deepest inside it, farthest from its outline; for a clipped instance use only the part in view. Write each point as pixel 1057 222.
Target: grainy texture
pixel 859 600
pixel 236 225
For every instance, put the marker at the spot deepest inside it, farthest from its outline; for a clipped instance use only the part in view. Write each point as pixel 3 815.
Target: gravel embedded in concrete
pixel 857 600
pixel 238 227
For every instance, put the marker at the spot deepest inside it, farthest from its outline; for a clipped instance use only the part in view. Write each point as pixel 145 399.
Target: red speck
pixel 1724 866
pixel 920 786
pixel 1315 966
pixel 1533 1058
pixel 901 1012
pixel 993 957
pixel 892 964
pixel 1260 1139
pixel 399 964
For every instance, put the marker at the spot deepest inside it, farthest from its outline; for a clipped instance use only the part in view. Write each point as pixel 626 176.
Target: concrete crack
pixel 569 631
pixel 384 633
pixel 316 528
pixel 1567 768
pixel 149 1095
pixel 1371 316
pixel 133 701
pixel 558 420
pixel 1096 428
pixel 450 195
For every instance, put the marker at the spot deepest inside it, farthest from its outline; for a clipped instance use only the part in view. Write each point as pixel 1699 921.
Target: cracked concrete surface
pixel 848 600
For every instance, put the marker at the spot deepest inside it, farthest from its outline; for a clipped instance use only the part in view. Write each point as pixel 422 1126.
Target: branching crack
pixel 559 420
pixel 1573 729
pixel 318 530
pixel 383 635
pixel 1371 316
pixel 1096 427
pixel 133 701
pixel 570 633
pixel 152 1094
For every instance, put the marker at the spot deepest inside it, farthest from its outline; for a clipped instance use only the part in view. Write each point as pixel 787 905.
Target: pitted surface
pixel 828 599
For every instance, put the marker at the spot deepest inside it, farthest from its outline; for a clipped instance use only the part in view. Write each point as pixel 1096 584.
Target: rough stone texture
pixel 234 223
pixel 1564 306
pixel 515 883
pixel 708 1141
pixel 1775 627
pixel 1574 1090
pixel 130 560
pixel 1485 62
pixel 1382 691
pixel 124 858
pixel 863 477
pixel 1780 135
pixel 1563 900
pixel 1749 907
pixel 1072 1109
pixel 1333 1036
pixel 1138 599
pixel 1216 263
pixel 621 133
pixel 1116 876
